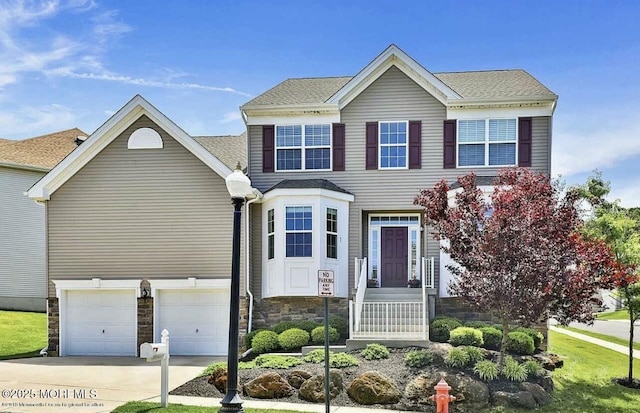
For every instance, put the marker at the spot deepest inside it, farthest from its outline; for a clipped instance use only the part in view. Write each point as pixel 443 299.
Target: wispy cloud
pixel 628 194
pixel 26 121
pixel 23 50
pixel 607 140
pixel 230 117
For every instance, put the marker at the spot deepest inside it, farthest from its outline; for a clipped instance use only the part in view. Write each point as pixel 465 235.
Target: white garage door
pixel 100 323
pixel 197 320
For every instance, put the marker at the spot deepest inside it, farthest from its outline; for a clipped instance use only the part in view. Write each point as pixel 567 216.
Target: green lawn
pixel 604 337
pixel 584 383
pixel 144 407
pixel 22 334
pixel 615 315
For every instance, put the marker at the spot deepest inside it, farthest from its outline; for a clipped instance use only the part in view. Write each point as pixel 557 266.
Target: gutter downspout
pixel 248 274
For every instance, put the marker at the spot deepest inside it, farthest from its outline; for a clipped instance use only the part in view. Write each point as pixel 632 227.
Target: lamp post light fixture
pixel 239 187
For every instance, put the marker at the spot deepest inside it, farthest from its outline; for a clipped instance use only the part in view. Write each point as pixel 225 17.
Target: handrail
pixel 361 273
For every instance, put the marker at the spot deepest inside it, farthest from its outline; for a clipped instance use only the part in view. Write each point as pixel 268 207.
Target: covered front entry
pixel 394 257
pixel 394 249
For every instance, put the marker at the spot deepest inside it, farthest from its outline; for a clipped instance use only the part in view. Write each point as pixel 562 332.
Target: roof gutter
pixel 24 167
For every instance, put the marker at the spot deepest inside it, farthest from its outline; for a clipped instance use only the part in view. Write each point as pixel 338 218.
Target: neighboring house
pixel 22 221
pixel 139 226
pixel 340 160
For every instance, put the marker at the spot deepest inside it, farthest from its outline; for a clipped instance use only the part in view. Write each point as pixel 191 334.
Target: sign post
pixel 326 289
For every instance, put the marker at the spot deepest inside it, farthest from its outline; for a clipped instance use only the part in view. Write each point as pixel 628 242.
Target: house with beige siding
pixel 339 161
pixel 139 219
pixel 139 238
pixel 22 221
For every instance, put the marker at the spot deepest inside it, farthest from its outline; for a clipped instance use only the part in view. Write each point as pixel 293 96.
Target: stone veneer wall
pixel 53 326
pixel 145 320
pixel 270 311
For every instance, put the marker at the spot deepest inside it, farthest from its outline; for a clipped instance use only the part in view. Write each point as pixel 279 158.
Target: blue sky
pixel 74 63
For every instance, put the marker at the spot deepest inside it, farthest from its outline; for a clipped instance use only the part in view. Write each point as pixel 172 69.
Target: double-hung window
pixel 332 233
pixel 393 145
pixel 298 231
pixel 303 147
pixel 487 142
pixel 271 230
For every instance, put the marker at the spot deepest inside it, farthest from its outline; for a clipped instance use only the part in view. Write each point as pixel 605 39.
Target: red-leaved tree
pixel 519 251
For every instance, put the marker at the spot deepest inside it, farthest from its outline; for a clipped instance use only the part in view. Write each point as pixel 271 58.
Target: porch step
pixel 393 294
pixel 360 343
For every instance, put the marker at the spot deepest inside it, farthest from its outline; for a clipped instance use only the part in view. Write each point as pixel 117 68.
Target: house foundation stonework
pixel 53 326
pixel 145 320
pixel 270 311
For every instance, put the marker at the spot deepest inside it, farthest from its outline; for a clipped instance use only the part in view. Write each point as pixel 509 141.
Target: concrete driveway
pixel 87 384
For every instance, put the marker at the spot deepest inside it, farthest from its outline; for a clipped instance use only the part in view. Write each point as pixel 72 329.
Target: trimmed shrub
pixel 317 335
pixel 418 358
pixel 283 326
pixel 457 357
pixel 214 368
pixel 249 337
pixel 271 361
pixel 476 324
pixel 466 336
pixel 441 326
pixel 375 351
pixel 293 338
pixel 513 370
pixel 315 356
pixel 535 335
pixel 492 337
pixel 487 370
pixel 341 324
pixel 342 360
pixel 533 368
pixel 520 343
pixel 307 325
pixel 475 354
pixel 264 342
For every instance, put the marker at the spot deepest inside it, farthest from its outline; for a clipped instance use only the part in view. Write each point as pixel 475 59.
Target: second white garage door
pixel 197 320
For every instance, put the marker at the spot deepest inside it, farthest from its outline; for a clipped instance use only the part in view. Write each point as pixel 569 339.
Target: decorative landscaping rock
pixel 268 386
pixel 547 384
pixel 219 380
pixel 374 388
pixel 549 361
pixel 539 394
pixel 313 388
pixel 519 399
pixel 420 388
pixel 297 377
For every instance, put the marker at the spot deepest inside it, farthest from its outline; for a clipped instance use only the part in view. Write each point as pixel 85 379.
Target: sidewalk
pixel 612 346
pixel 275 405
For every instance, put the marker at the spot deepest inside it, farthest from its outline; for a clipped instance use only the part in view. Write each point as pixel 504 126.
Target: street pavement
pixel 615 328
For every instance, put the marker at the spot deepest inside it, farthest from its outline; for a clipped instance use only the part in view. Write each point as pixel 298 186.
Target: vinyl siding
pixel 391 97
pixel 152 213
pixel 22 243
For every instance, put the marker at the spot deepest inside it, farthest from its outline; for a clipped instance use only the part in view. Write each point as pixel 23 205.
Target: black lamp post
pixel 239 186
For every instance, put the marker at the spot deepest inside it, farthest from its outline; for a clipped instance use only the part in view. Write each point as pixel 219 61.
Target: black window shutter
pixel 372 145
pixel 524 141
pixel 449 154
pixel 415 144
pixel 338 146
pixel 268 147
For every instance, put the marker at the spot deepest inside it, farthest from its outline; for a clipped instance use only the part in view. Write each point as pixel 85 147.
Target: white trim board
pixel 189 283
pixel 97 284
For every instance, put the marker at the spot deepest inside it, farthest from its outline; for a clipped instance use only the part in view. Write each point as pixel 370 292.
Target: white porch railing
pixel 428 272
pixel 361 273
pixel 391 320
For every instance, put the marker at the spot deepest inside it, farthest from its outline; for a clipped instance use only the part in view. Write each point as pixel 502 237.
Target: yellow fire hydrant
pixel 442 397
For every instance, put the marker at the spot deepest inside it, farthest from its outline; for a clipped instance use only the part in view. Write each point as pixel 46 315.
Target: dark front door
pixel 394 256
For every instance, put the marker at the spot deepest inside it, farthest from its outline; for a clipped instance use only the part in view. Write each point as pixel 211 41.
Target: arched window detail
pixel 145 138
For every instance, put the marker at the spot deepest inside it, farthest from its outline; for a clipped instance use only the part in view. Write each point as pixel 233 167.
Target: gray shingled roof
pixel 308 184
pixel 229 149
pixel 480 181
pixel 300 91
pixel 494 84
pixel 490 84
